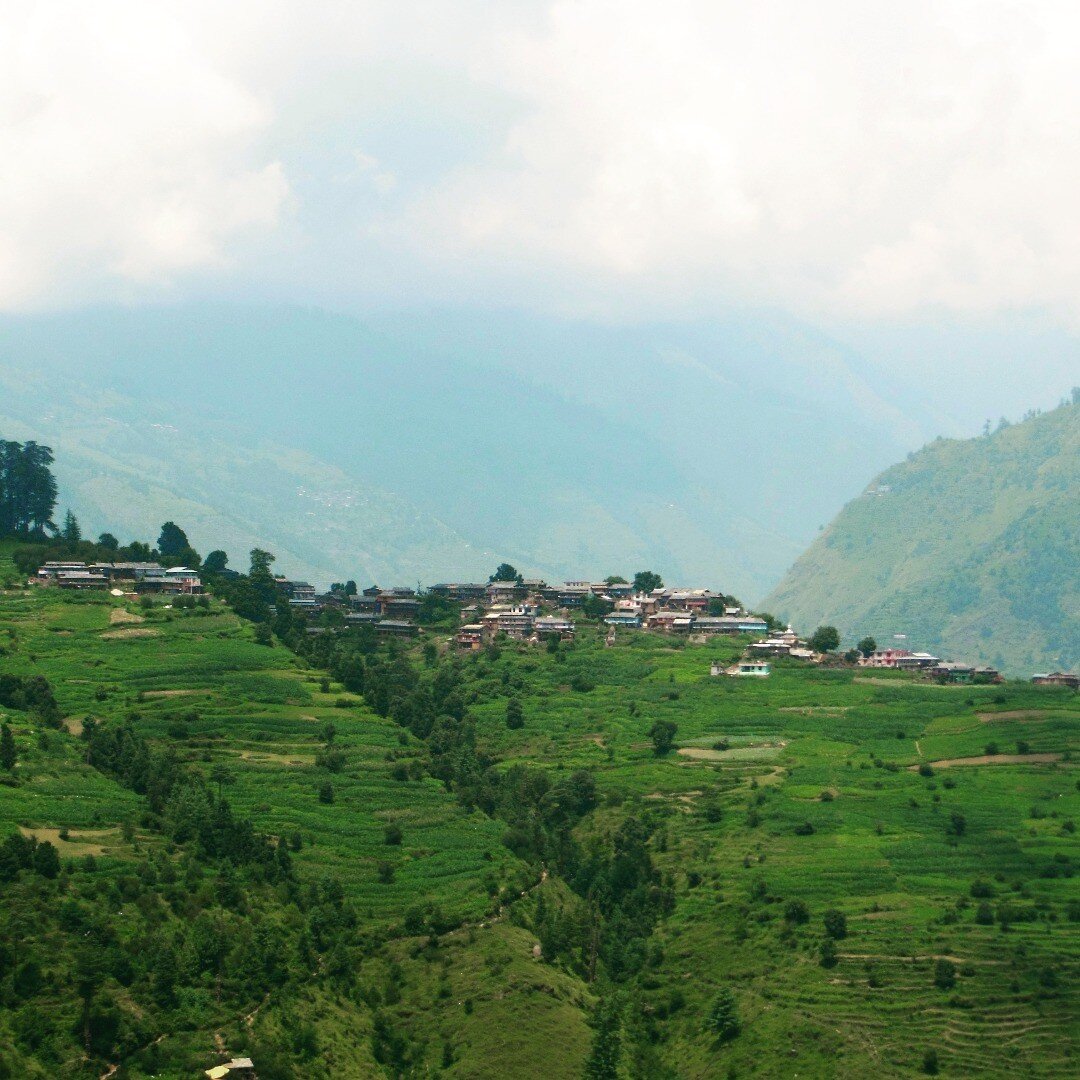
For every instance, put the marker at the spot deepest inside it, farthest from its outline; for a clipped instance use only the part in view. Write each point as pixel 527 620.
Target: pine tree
pixel 723 1019
pixel 603 1061
pixel 71 530
pixel 7 748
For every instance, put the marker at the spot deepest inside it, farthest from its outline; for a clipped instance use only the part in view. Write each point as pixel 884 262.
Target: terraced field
pixel 811 792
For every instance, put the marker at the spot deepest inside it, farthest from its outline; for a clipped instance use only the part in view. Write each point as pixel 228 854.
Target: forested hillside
pixel 420 447
pixel 345 858
pixel 971 548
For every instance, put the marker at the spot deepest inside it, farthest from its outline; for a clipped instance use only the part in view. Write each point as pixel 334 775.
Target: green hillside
pixel 970 548
pixel 832 854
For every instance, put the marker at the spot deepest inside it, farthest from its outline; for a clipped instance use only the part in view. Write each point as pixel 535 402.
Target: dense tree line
pixel 27 488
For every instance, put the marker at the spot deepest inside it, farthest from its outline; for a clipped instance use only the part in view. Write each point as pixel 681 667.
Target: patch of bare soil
pixel 993 759
pixel 702 753
pixel 78 843
pixel 1014 714
pixel 120 615
pixel 172 693
pixel 74 725
pixel 816 710
pixel 134 632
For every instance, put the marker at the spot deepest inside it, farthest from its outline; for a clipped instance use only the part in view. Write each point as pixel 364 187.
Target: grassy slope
pixel 879 851
pixel 972 549
pixel 260 713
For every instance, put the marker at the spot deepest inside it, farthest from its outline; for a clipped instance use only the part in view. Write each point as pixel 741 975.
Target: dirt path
pixel 993 759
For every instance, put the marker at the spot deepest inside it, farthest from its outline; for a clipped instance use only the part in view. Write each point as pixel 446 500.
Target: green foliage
pixel 646 580
pixel 723 1019
pixel 662 735
pixel 27 488
pixel 825 639
pixel 8 755
pixel 505 573
pixel 994 587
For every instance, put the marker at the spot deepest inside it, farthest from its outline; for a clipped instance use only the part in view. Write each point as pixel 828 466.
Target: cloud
pixel 846 158
pixel 129 157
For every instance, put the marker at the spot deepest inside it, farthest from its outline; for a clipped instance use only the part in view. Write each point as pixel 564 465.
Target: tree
pixel 71 531
pixel 215 562
pixel 27 488
pixel 221 776
pixel 825 639
pixel 7 748
pixel 350 587
pixel 944 974
pixel 515 716
pixel 606 1050
pixel 835 924
pixel 173 541
pixel 260 575
pixel 46 860
pixel 723 1019
pixel 796 912
pixel 505 572
pixel 108 541
pixel 645 581
pixel 392 835
pixel 662 734
pixel 868 646
pixel 326 792
pixel 614 579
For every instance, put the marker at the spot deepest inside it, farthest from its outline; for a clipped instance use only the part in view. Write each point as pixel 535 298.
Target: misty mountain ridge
pixel 572 450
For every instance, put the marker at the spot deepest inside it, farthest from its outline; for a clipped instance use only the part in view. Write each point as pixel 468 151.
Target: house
pixel 127 571
pixel 505 592
pixel 460 591
pixel 548 626
pixel 756 669
pixel 782 644
pixel 1057 678
pixel 671 622
pixel 515 622
pixel 396 628
pixel 470 638
pixel 626 617
pixel 988 675
pixel 899 658
pixel 730 624
pixel 571 594
pixel 80 579
pixel 950 672
pixel 917 661
pixel 176 581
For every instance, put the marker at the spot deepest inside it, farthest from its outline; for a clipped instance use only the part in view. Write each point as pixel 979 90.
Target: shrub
pixel 835 924
pixel 392 834
pixel 944 974
pixel 827 954
pixel 386 872
pixel 926 769
pixel 326 792
pixel 796 912
pixel 930 1063
pixel 804 828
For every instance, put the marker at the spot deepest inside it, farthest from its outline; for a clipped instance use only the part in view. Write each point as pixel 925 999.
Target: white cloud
pixel 850 157
pixel 128 156
pixel 845 157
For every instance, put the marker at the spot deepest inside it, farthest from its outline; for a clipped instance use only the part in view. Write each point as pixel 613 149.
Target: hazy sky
pixel 872 167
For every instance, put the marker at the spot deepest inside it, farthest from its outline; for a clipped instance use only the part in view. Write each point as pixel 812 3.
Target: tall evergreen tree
pixel 7 748
pixel 71 531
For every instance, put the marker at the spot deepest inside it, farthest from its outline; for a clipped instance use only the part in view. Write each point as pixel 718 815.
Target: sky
pixel 903 176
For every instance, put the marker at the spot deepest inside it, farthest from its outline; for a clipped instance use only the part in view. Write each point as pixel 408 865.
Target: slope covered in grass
pixel 783 800
pixel 970 548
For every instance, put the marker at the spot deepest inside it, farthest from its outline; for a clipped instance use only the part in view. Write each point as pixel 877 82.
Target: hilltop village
pixel 532 610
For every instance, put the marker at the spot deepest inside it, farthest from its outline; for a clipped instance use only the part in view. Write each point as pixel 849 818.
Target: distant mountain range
pixel 970 547
pixel 432 447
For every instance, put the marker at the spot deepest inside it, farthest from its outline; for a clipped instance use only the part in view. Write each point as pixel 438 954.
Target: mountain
pixel 127 467
pixel 970 547
pixel 460 438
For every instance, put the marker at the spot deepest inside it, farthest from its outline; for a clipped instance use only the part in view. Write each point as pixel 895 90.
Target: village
pixel 533 611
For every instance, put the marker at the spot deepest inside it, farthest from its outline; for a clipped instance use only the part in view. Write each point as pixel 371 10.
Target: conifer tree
pixel 7 748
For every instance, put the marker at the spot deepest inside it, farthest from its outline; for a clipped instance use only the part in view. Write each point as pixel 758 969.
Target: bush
pixel 804 828
pixel 796 913
pixel 392 834
pixel 930 1063
pixel 944 974
pixel 326 793
pixel 835 924
pixel 925 769
pixel 827 954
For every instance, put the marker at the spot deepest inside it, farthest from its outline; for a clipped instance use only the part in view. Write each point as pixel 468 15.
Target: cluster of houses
pixel 390 612
pixel 140 577
pixel 931 666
